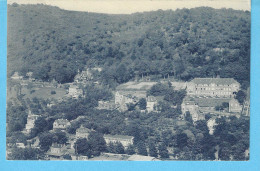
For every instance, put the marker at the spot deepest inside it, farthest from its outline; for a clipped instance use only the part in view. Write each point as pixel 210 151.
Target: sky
pixel 133 6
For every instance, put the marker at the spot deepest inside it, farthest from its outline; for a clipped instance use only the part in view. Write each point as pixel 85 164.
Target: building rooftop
pixel 151 99
pixel 139 86
pixel 83 130
pixel 118 136
pixel 62 121
pixel 55 145
pixel 210 102
pixel 223 81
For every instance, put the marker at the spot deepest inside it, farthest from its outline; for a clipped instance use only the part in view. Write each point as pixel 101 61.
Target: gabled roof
pixel 83 130
pixel 223 81
pixel 62 121
pixel 151 99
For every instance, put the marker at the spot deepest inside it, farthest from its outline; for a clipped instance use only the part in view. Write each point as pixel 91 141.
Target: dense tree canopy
pixel 186 43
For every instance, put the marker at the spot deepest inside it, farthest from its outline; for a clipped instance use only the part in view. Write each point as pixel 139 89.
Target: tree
pixel 111 147
pixel 163 152
pixel 60 138
pixel 130 106
pixel 83 147
pixel 119 148
pixel 141 148
pixel 142 103
pixel 188 117
pixel 241 96
pixel 45 141
pixel 152 149
pixel 130 150
pixel 97 143
pixel 182 140
pixel 67 157
pixel 24 154
pixel 40 125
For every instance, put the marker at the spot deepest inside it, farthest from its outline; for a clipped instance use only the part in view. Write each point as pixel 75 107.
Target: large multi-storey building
pixel 206 94
pixel 218 87
pixel 123 139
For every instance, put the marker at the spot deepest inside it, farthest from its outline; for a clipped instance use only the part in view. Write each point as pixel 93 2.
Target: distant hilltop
pixel 202 42
pixel 129 7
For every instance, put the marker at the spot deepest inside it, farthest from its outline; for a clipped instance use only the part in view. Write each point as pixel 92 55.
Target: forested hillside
pixel 200 42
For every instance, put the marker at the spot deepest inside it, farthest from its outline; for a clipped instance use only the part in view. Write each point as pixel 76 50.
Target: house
pixel 151 103
pixel 61 124
pixel 99 69
pixel 193 108
pixel 234 106
pixel 79 157
pixel 197 106
pixel 107 105
pixel 131 92
pixel 83 132
pixel 20 145
pixel 214 87
pixel 29 76
pixel 16 76
pixel 50 104
pixel 122 99
pixel 75 92
pixel 56 151
pixel 123 139
pixel 31 118
pixel 83 76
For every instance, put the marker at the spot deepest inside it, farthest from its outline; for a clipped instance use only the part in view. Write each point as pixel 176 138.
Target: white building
pixel 214 87
pixel 123 139
pixel 31 118
pixel 82 132
pixel 151 103
pixel 61 124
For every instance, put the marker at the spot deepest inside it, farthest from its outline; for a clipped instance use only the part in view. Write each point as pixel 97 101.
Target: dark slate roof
pixel 210 102
pixel 223 81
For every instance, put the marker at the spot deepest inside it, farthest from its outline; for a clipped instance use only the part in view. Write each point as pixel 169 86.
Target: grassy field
pixel 44 92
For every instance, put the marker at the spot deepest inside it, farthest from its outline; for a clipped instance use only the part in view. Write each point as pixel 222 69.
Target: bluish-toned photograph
pixel 128 80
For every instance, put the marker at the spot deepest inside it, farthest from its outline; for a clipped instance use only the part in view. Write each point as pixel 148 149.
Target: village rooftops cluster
pixel 204 95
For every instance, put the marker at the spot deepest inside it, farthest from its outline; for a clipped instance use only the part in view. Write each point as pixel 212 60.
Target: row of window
pixel 208 88
pixel 218 85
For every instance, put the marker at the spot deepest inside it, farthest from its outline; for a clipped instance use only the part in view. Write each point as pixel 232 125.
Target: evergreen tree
pixel 163 152
pixel 152 150
pixel 141 147
pixel 130 150
pixel 119 148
